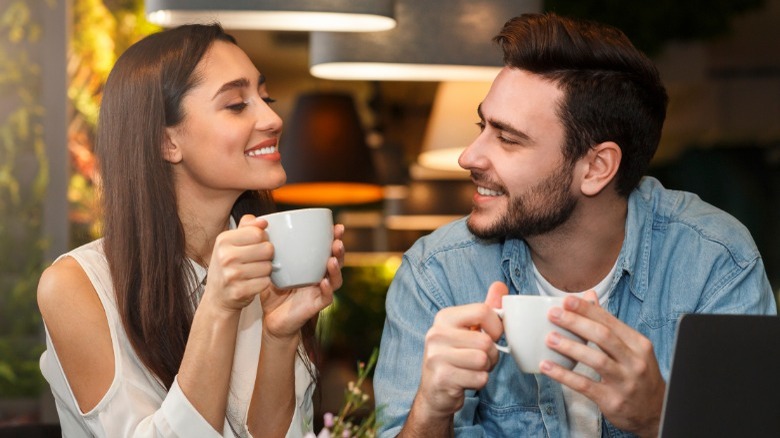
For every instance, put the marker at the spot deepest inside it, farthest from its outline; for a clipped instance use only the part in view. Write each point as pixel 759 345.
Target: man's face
pixel 523 181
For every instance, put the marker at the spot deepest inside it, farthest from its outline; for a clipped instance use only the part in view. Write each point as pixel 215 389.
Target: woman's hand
pixel 240 266
pixel 285 311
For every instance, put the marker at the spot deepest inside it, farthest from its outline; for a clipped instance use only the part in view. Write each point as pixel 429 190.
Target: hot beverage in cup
pixel 302 245
pixel 526 326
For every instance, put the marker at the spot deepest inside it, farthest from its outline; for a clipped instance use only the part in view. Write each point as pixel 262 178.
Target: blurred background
pixel 374 121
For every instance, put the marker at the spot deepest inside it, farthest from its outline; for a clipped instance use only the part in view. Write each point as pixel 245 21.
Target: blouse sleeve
pixel 176 417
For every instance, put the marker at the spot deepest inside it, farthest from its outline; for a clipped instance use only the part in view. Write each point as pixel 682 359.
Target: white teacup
pixel 302 240
pixel 526 326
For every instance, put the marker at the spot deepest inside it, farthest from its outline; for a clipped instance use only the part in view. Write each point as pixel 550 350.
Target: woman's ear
pixel 171 149
pixel 603 162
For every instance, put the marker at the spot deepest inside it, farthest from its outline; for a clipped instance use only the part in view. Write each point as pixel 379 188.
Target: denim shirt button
pixel 549 410
pixel 517 272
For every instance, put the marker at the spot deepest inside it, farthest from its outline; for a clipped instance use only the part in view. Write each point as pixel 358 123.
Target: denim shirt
pixel 679 255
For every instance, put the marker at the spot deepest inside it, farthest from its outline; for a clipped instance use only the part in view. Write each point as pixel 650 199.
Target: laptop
pixel 725 378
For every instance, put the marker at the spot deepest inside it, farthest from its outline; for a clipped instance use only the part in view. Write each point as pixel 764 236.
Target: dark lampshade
pixel 434 40
pixel 325 155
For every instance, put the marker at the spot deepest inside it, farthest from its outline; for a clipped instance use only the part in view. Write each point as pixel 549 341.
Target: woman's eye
pixel 269 100
pixel 481 126
pixel 238 107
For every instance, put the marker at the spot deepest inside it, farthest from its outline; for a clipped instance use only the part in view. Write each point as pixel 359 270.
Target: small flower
pixel 328 420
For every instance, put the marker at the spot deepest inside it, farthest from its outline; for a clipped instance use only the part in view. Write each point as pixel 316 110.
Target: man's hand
pixel 458 356
pixel 631 391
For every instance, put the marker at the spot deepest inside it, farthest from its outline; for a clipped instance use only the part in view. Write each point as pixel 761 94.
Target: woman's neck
pixel 202 222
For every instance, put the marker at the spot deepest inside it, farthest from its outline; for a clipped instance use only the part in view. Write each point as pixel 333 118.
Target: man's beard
pixel 541 209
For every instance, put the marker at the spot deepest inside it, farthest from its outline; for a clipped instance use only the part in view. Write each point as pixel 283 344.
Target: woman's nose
pixel 267 119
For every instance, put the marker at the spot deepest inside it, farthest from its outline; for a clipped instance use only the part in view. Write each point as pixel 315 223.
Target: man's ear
pixel 171 150
pixel 602 161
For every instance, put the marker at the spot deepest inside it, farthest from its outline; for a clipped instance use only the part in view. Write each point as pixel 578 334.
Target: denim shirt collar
pixel 633 260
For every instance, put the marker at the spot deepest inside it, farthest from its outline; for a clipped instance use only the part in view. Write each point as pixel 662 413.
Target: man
pixel 567 131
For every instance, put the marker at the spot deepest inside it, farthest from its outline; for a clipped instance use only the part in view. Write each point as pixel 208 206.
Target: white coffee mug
pixel 302 240
pixel 526 326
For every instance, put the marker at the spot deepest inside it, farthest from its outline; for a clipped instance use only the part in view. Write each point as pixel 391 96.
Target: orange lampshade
pixel 325 155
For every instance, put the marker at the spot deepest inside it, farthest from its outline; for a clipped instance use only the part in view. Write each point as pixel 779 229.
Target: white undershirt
pixel 583 414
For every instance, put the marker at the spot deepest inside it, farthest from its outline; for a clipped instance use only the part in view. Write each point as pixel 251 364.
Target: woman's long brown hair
pixel 144 239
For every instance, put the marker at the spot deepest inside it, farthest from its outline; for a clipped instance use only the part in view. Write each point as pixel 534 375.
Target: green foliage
pixel 352 325
pixel 102 30
pixel 651 24
pixel 24 171
pixel 349 422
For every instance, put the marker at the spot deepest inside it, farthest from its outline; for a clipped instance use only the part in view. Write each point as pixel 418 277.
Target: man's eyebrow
pixel 232 85
pixel 502 126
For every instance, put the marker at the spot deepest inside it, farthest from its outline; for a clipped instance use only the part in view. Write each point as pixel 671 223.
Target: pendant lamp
pixel 451 125
pixel 325 155
pixel 302 15
pixel 435 40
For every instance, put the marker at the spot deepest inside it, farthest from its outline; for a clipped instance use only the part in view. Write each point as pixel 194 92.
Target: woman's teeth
pixel 261 151
pixel 487 192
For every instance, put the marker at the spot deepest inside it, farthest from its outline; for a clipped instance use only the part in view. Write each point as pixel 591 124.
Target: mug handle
pixel 276 266
pixel 501 348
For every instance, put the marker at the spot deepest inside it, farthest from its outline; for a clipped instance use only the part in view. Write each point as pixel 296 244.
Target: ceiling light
pixel 435 40
pixel 301 15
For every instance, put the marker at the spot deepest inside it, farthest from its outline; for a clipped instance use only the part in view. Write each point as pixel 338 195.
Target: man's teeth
pixel 262 151
pixel 487 192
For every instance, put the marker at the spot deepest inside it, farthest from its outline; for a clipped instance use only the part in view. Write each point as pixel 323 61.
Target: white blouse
pixel 136 404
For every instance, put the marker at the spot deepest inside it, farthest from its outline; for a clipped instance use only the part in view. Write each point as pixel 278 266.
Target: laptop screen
pixel 725 378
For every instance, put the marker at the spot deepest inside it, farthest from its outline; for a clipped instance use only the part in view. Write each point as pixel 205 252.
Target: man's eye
pixel 503 139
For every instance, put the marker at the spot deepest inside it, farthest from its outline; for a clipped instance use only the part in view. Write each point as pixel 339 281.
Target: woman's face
pixel 228 140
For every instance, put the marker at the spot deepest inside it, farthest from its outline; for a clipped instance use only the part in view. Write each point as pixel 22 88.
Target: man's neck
pixel 580 253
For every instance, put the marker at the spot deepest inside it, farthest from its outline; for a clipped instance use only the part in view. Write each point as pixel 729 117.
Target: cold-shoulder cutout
pixel 78 327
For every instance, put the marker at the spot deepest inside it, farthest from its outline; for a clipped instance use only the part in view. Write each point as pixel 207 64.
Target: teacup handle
pixel 276 266
pixel 501 348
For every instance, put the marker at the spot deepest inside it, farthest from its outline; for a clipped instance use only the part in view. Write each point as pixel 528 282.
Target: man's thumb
pixel 494 294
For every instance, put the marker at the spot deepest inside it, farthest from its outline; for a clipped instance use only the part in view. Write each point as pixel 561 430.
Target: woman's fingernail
pixel 556 312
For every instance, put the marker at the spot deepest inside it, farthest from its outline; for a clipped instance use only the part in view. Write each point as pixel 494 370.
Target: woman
pixel 156 329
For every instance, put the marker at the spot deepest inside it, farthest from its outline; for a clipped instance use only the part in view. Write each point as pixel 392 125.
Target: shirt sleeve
pixel 739 289
pixel 411 309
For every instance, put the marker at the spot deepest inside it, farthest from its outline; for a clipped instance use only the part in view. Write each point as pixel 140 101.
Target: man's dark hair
pixel 612 91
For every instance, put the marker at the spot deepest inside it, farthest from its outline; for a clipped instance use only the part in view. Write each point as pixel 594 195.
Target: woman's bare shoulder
pixel 78 327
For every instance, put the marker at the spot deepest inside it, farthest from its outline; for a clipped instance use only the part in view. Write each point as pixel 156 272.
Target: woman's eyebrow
pixel 232 85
